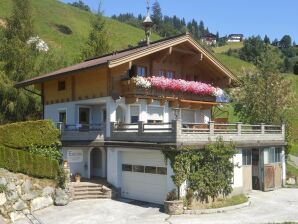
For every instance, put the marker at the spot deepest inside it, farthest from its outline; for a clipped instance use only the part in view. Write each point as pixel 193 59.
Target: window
pixel 170 74
pixel 161 73
pixel 162 170
pixel 150 169
pixel 134 114
pixel 144 169
pixel 62 117
pixel 155 114
pixel 272 155
pixel 188 116
pixel 126 167
pixel 278 155
pixel 138 169
pixel 61 85
pixel 104 115
pixel 142 71
pixel 246 157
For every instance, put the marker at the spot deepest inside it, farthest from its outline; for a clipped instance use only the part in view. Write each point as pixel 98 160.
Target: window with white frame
pixel 62 116
pixel 272 155
pixel 155 114
pixel 134 114
pixel 188 116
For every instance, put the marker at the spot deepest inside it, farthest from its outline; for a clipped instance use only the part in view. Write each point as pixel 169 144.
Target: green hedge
pixel 24 134
pixel 27 163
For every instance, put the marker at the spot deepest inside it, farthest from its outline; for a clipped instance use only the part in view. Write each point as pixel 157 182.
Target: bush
pixel 27 163
pixel 3 188
pixel 22 135
pixel 172 195
pixel 46 151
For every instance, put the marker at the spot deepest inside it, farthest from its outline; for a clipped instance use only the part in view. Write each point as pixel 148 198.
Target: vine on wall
pixel 209 171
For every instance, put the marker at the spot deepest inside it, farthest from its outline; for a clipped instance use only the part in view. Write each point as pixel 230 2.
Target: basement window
pixel 126 167
pixel 61 85
pixel 138 169
pixel 162 170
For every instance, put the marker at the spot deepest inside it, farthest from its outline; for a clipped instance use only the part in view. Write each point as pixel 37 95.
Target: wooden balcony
pixel 199 133
pixel 130 91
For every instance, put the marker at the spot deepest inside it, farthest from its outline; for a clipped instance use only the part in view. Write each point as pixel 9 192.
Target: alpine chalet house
pixel 119 111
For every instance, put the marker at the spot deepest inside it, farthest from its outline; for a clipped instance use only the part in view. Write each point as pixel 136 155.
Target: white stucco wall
pixel 107 103
pixel 78 167
pixel 238 173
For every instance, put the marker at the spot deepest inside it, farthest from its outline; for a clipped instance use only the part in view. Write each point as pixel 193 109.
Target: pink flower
pixel 198 88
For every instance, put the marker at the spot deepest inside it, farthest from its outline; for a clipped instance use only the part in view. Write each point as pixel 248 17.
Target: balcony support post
pixel 283 130
pixel 177 129
pixel 211 127
pixel 239 128
pixel 262 128
pixel 141 127
pixel 112 126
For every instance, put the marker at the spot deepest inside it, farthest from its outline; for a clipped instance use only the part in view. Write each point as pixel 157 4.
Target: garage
pixel 144 176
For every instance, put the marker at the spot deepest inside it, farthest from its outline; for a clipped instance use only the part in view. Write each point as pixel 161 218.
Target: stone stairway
pixel 87 190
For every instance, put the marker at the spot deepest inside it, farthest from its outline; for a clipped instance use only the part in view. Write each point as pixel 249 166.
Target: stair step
pixel 88 189
pixel 88 193
pixel 89 197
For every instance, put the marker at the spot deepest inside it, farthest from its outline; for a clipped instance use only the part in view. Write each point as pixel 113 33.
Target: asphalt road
pixel 266 207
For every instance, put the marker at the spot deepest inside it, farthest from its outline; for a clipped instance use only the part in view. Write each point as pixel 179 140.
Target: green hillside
pixel 236 65
pixel 50 15
pixel 228 46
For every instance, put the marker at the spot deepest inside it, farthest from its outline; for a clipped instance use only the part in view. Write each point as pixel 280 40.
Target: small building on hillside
pixel 209 39
pixel 234 38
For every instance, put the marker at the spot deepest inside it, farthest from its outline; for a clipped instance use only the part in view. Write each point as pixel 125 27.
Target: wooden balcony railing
pixel 129 89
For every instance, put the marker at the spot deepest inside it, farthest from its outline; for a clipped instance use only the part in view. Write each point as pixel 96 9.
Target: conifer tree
pixel 157 14
pixel 98 42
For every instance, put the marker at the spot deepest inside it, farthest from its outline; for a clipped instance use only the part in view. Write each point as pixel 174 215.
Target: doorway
pixel 97 163
pixel 84 118
pixel 256 181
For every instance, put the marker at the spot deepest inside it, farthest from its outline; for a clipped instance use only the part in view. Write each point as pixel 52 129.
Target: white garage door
pixel 144 176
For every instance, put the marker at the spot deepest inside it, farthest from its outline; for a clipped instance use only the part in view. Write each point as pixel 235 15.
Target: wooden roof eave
pixel 154 49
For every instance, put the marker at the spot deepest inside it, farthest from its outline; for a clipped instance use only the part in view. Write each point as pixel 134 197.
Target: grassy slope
pixel 236 65
pixel 228 46
pixel 46 13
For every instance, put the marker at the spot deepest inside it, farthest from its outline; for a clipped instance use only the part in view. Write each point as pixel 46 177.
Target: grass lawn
pixel 236 65
pixel 49 13
pixel 228 46
pixel 220 203
pixel 291 170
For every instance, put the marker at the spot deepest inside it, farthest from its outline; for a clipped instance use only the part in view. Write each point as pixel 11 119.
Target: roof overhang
pixel 128 57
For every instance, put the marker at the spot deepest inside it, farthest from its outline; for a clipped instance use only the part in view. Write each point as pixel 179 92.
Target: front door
pixel 84 118
pixel 96 163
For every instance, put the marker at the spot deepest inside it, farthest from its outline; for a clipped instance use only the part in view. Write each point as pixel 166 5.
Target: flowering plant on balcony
pixel 141 82
pixel 179 85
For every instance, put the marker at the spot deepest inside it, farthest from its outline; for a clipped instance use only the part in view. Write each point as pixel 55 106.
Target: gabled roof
pixel 117 58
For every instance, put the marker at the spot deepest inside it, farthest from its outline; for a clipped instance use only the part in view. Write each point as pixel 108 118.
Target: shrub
pixel 3 188
pixel 22 135
pixel 25 162
pixel 172 195
pixel 47 151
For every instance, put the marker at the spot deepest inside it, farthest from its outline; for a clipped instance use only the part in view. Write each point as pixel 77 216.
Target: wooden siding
pixel 86 85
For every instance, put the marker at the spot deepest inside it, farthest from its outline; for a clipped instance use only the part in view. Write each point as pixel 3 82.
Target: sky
pixel 250 17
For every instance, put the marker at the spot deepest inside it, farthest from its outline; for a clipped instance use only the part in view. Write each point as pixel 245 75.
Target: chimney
pixel 148 24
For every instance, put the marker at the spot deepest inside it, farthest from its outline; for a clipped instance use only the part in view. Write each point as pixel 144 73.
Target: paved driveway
pixel 266 207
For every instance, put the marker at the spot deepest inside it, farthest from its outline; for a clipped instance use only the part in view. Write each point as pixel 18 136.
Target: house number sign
pixel 75 156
